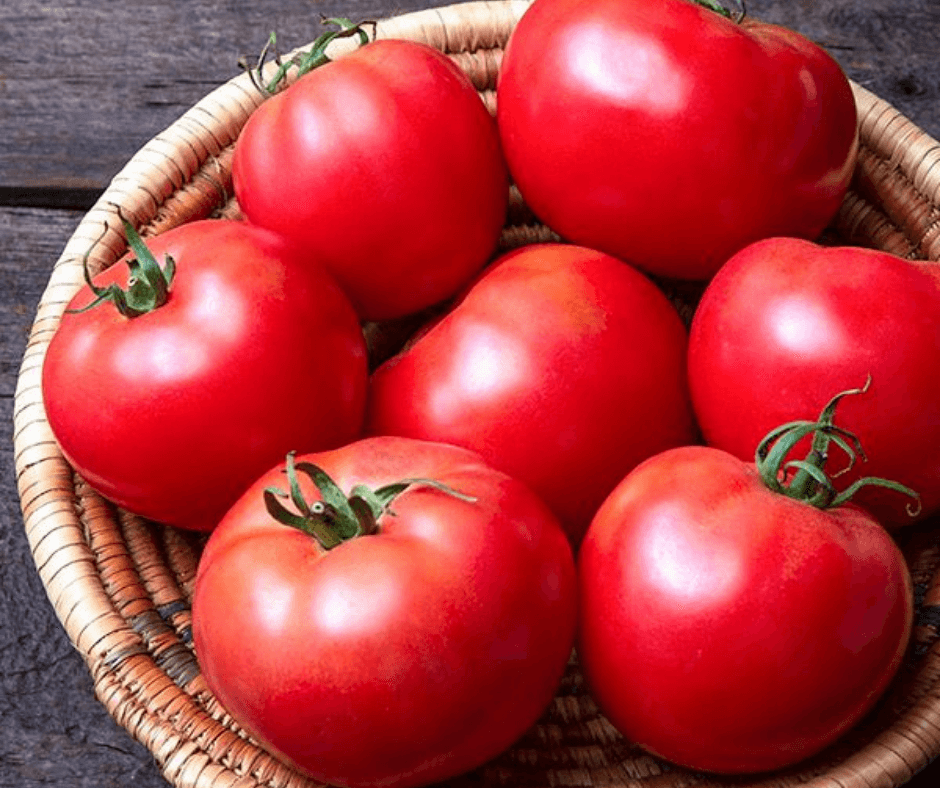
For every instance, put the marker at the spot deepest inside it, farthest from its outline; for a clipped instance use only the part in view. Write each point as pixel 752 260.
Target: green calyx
pixel 304 61
pixel 336 517
pixel 713 5
pixel 148 286
pixel 806 480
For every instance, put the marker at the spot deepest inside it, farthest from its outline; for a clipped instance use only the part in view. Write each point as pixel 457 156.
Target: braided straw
pixel 121 586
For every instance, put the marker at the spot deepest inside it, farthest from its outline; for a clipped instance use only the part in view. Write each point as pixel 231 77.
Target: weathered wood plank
pixel 84 83
pixel 53 732
pixel 30 243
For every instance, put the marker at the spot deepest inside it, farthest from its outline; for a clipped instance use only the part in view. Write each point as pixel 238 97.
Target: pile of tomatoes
pixel 403 554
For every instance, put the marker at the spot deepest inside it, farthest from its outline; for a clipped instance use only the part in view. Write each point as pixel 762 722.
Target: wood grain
pixel 84 83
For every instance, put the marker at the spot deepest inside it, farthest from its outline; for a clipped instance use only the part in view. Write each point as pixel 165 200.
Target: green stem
pixel 335 517
pixel 303 62
pixel 806 480
pixel 148 286
pixel 718 8
pixel 825 432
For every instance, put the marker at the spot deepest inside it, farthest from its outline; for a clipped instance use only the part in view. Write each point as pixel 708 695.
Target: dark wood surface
pixel 83 84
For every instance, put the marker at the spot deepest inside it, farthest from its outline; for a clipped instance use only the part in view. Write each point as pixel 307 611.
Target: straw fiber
pixel 121 586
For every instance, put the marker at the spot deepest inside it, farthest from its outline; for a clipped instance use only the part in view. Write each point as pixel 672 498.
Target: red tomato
pixel 399 657
pixel 172 413
pixel 786 322
pixel 732 629
pixel 387 165
pixel 562 366
pixel 669 136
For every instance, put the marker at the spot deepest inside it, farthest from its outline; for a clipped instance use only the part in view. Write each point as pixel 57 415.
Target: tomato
pixel 786 322
pixel 173 412
pixel 669 136
pixel 730 628
pixel 561 366
pixel 387 165
pixel 411 652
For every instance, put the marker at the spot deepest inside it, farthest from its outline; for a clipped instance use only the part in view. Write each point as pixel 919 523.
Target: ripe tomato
pixel 729 628
pixel 561 366
pixel 385 163
pixel 406 654
pixel 786 322
pixel 670 136
pixel 172 413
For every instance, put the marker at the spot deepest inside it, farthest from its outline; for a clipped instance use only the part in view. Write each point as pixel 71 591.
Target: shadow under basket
pixel 122 586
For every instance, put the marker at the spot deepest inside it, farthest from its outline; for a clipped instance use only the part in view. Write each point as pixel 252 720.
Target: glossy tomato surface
pixel 731 629
pixel 172 413
pixel 386 164
pixel 670 136
pixel 562 366
pixel 787 323
pixel 398 658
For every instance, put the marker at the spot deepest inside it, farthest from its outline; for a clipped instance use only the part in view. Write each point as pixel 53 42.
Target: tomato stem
pixel 806 480
pixel 148 286
pixel 718 8
pixel 304 61
pixel 336 518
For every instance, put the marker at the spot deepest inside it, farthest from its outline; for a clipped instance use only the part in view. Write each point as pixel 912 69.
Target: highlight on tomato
pixel 669 135
pixel 386 164
pixel 190 366
pixel 560 365
pixel 393 612
pixel 739 617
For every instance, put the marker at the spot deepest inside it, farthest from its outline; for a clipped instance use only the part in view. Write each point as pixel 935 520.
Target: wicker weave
pixel 121 586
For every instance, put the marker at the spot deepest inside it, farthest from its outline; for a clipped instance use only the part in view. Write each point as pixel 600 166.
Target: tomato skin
pixel 669 136
pixel 787 322
pixel 561 366
pixel 386 163
pixel 731 629
pixel 173 413
pixel 395 659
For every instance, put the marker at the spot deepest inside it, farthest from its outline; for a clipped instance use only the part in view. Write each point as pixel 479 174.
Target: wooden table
pixel 83 84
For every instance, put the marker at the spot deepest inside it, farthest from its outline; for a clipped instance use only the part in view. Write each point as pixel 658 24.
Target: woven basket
pixel 122 586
